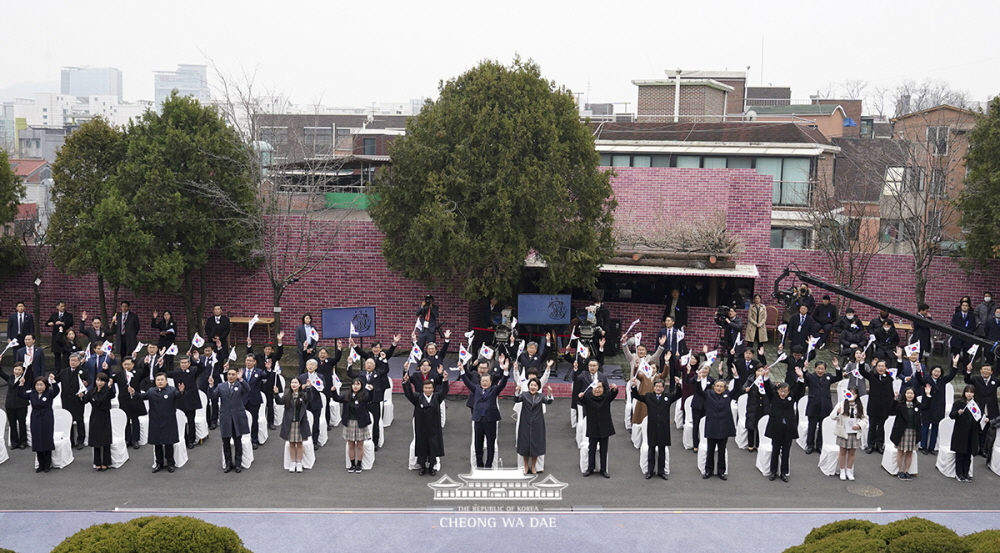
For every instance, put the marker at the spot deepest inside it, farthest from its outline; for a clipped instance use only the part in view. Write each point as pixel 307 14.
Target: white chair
pixel 201 418
pixel 3 437
pixel 388 409
pixel 830 451
pixel 629 409
pixel 949 398
pixel 119 451
pixel 644 456
pixel 444 414
pixel 703 450
pixel 581 427
pixel 247 444
pixel 413 456
pixel 687 435
pixel 324 432
pixel 87 411
pixel 57 401
pixel 765 450
pixel 144 425
pixel 62 455
pixel 945 462
pixel 308 454
pixel 497 462
pixel 262 420
pixel 994 458
pixel 803 429
pixel 180 449
pixel 27 420
pixel 740 420
pixel 638 433
pixel 279 410
pixel 678 408
pixel 889 457
pixel 367 457
pixel 573 415
pixel 864 433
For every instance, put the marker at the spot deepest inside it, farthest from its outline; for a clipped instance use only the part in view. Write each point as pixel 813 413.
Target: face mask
pixel 850 317
pixel 987 299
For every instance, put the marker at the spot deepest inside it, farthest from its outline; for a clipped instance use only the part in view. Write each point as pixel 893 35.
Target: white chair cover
pixel 388 409
pixel 629 409
pixel 413 447
pixel 180 449
pixel 144 425
pixel 308 453
pixel 497 462
pixel 765 450
pixel 945 462
pixel 949 398
pixel 994 459
pixel 57 402
pixel 201 418
pixel 703 450
pixel 444 413
pixel 800 407
pixel 324 432
pixel 62 455
pixel 119 451
pixel 864 433
pixel 3 437
pixel 687 437
pixel 889 457
pixel 573 414
pixel 678 408
pixel 247 443
pixel 638 431
pixel 367 458
pixel 829 452
pixel 279 410
pixel 27 419
pixel 581 427
pixel 740 420
pixel 262 420
pixel 644 456
pixel 87 411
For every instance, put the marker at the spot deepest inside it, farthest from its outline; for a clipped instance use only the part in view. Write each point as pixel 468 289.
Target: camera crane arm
pixel 915 319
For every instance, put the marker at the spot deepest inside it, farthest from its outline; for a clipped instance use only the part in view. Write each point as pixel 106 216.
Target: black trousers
pixel 59 359
pixel 131 427
pixel 592 454
pixel 44 459
pixel 316 422
pixel 780 449
pixel 656 457
pixel 79 428
pixel 102 456
pixel 963 461
pixel 487 431
pixel 18 417
pixel 753 437
pixel 824 334
pixel 213 411
pixel 876 430
pixel 164 452
pixel 375 409
pixel 815 432
pixel 254 411
pixel 426 461
pixel 227 450
pixel 189 429
pixel 697 415
pixel 710 464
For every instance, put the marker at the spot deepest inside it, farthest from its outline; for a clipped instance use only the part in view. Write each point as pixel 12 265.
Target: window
pixel 621 161
pixel 900 179
pixel 790 238
pixel 937 140
pixel 369 146
pixel 275 136
pixel 896 230
pixel 641 161
pixel 344 140
pixel 935 227
pixel 318 136
pixel 938 184
pixel 791 179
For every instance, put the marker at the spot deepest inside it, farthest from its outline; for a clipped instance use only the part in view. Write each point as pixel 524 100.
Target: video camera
pixel 721 315
pixel 588 323
pixel 503 331
pixel 787 297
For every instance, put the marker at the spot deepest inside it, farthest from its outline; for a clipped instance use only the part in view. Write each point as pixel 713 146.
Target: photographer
pixel 427 316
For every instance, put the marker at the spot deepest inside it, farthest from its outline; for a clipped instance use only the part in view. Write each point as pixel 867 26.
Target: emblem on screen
pixel 557 310
pixel 362 322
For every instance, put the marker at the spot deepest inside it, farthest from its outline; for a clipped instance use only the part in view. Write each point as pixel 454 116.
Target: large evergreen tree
pixel 499 166
pixel 11 193
pixel 980 200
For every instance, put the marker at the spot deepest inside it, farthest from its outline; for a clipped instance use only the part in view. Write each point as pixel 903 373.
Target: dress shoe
pixel 237 469
pixel 315 447
pixel 156 468
pixel 23 446
pixel 47 469
pixel 869 450
pixel 423 471
pixel 39 469
pixel 881 449
pixel 79 447
pixel 772 476
pixel 723 477
pixel 649 475
pixel 135 446
pixel 430 471
pixel 227 468
pixel 271 427
pixel 255 446
pixel 190 446
pixel 605 474
pixel 809 450
pixel 376 448
pixel 784 478
pixel 706 476
pixel 213 426
pixel 171 468
pixel 664 476
pixel 587 473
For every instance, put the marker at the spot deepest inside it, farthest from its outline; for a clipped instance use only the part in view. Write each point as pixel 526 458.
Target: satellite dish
pixel 751 115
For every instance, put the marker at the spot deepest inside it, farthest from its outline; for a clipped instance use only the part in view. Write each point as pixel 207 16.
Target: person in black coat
pixel 16 407
pixel 965 436
pixel 125 329
pixel 233 395
pixel 209 365
pixel 886 341
pixel 427 434
pixel 730 331
pixel 658 421
pixel 800 328
pixel 378 378
pixel 804 298
pixel 933 388
pixel 166 328
pixel 188 403
pixel 991 330
pixel 68 343
pixel 268 361
pixel 217 326
pixel 130 403
pixel 986 384
pixel 719 425
pixel 819 404
pixel 852 336
pixel 427 318
pixel 531 423
pixel 922 332
pixel 99 397
pixel 254 378
pixel 295 427
pixel 357 420
pixel 585 378
pixel 965 320
pixel 485 412
pixel 825 315
pixel 880 404
pixel 758 404
pixel 74 381
pixel 697 374
pixel 59 322
pixel 43 419
pixel 323 385
pixel 676 308
pixel 162 420
pixel 782 424
pixel 20 324
pixel 597 409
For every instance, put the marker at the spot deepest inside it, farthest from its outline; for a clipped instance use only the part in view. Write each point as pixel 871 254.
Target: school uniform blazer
pixel 906 417
pixel 841 419
pixel 363 416
pixel 783 422
pixel 484 403
pixel 295 413
pixel 232 407
pixel 719 423
pixel 598 412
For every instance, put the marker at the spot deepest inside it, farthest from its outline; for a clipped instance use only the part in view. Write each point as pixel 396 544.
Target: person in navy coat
pixel 485 412
pixel 19 324
pixel 719 425
pixel 162 420
pixel 43 419
pixel 965 320
pixel 232 395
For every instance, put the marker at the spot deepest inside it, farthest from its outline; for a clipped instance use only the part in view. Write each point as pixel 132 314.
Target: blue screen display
pixel 544 309
pixel 337 322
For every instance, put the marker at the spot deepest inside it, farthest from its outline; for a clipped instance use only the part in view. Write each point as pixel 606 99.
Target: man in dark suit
pixel 252 377
pixel 377 374
pixel 268 360
pixel 149 364
pixel 674 344
pixel 218 326
pixel 132 404
pixel 125 329
pixel 921 332
pixel 658 420
pixel 59 322
pixel 782 425
pixel 819 406
pixel 801 328
pixel 211 367
pixel 427 318
pixel 20 324
pixel 95 332
pixel 677 308
pixel 965 320
pixel 986 385
pixel 74 381
pixel 232 396
pixel 191 402
pixel 31 357
pixel 486 413
pixel 162 420
pixel 100 362
pixel 745 366
pixel 992 332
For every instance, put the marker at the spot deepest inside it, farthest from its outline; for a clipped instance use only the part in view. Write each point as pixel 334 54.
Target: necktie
pixel 20 323
pixel 802 320
pixel 124 318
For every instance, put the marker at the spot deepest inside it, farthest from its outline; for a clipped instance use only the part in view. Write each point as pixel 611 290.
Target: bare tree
pixel 911 96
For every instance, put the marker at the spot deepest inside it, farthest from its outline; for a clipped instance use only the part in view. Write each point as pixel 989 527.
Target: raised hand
pixel 83 315
pixel 395 339
pixel 704 349
pixel 249 342
pixel 760 350
pixel 413 336
pixel 549 364
pixel 663 340
pixel 340 344
pixel 602 341
pixel 447 334
pixel 180 387
pixel 798 372
pixel 927 389
pixel 677 379
pixel 156 314
pixel 280 336
pixel 899 352
pixel 211 382
pixel 836 363
pixel 131 390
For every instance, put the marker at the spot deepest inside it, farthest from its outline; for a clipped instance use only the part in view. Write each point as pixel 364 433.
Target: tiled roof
pixel 27 167
pixel 797 109
pixel 787 133
pixel 860 166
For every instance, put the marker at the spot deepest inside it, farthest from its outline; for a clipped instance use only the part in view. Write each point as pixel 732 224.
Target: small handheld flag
pixel 973 408
pixel 463 354
pixel 645 369
pixel 107 347
pixel 782 328
pixel 871 340
pixel 513 323
pixel 685 359
pixel 638 338
pixel 469 335
pixel 486 352
pixel 313 335
pixel 353 331
pixel 848 395
pixel 232 353
pixel 584 351
pixel 520 349
pixel 812 341
pixel 856 372
pixel 892 372
pixel 739 338
pixel 253 321
pixel 973 349
pixel 760 385
pixel 415 354
pixel 780 358
pixel 353 357
pixel 631 326
pixel 336 381
pixel 913 348
pixel 197 341
pixel 138 347
pixel 710 356
pixel 172 350
pixel 680 335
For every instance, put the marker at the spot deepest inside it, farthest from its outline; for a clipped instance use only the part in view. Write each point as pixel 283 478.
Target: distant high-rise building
pixel 188 80
pixel 90 81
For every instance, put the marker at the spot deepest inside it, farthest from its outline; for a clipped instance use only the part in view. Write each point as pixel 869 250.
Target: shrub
pixel 895 530
pixel 987 541
pixel 837 527
pixel 100 538
pixel 2 550
pixel 928 542
pixel 154 535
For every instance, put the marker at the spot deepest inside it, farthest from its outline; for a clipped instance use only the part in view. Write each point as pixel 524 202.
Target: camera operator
pixel 427 315
pixel 731 325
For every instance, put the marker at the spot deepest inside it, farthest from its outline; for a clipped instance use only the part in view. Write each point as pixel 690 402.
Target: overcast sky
pixel 354 53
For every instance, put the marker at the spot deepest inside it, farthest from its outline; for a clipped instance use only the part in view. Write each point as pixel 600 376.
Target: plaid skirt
pixel 853 441
pixel 909 440
pixel 294 433
pixel 354 434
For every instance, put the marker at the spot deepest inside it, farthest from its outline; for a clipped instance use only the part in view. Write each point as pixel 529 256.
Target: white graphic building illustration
pixel 497 484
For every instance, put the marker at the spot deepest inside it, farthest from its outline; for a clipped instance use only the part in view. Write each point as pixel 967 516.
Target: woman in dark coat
pixel 167 329
pixel 99 437
pixel 531 424
pixel 719 425
pixel 68 344
pixel 600 426
pixel 295 422
pixel 965 436
pixel 427 435
pixel 935 398
pixel 162 420
pixel 658 421
pixel 16 407
pixel 43 420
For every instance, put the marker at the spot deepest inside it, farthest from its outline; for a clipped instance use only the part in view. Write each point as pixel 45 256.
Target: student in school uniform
pixel 965 436
pixel 782 423
pixel 99 397
pixel 855 370
pixel 295 423
pixel 906 430
pixel 377 379
pixel 597 411
pixel 719 425
pixel 357 420
pixel 658 421
pixel 851 421
pixel 428 437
